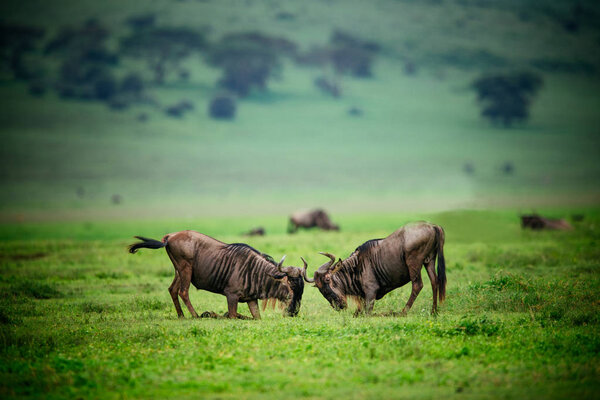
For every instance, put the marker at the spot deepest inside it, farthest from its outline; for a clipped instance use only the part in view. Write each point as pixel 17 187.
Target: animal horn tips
pixel 281 262
pixel 330 256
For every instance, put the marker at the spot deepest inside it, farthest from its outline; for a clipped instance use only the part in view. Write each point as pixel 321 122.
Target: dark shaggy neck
pixel 297 291
pixel 275 289
pixel 348 278
pixel 256 273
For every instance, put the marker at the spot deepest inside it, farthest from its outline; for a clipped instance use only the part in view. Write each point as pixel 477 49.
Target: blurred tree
pixel 344 55
pixel 128 91
pixel 15 42
pixel 142 21
pixel 505 98
pixel 132 84
pixel 347 54
pixel 86 43
pixel 330 86
pixel 352 55
pixel 162 48
pixel 222 107
pixel 249 59
pixel 85 69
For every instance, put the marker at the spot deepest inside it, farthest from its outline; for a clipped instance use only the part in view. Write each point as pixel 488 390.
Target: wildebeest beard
pixel 335 300
pixel 297 287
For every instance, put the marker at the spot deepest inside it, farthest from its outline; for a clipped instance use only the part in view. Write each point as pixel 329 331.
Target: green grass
pixel 81 318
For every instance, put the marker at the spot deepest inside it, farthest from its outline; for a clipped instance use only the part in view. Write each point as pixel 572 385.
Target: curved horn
pixel 331 257
pixel 304 272
pixel 305 263
pixel 280 263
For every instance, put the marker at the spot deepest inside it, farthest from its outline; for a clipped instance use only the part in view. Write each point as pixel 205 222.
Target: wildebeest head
pixel 322 221
pixel 293 277
pixel 324 281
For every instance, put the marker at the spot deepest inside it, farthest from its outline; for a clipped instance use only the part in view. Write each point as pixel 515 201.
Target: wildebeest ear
pixel 277 275
pixel 336 267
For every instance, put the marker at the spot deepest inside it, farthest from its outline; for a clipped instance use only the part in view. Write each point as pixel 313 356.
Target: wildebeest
pixel 258 231
pixel 237 271
pixel 379 266
pixel 537 222
pixel 309 219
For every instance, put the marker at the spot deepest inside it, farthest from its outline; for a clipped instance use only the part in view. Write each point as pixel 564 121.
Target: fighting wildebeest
pixel 379 266
pixel 310 219
pixel 237 271
pixel 537 222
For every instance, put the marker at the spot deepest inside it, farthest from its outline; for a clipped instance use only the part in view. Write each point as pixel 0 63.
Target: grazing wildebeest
pixel 309 219
pixel 258 231
pixel 537 222
pixel 237 271
pixel 379 266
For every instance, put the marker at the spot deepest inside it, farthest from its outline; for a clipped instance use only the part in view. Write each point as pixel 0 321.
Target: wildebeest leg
pixel 173 290
pixel 414 270
pixel 185 277
pixel 369 301
pixel 232 303
pixel 360 307
pixel 430 266
pixel 253 306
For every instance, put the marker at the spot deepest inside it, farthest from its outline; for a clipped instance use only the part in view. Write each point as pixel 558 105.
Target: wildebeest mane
pixel 245 247
pixel 258 271
pixel 351 269
pixel 367 245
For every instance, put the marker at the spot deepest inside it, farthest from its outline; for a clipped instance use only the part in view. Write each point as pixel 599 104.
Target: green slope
pixel 292 146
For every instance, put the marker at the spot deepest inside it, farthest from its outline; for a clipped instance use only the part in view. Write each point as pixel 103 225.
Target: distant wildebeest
pixel 237 271
pixel 379 266
pixel 258 231
pixel 309 219
pixel 537 222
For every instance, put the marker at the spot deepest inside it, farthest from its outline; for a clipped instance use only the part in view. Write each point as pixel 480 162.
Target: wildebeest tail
pixel 147 244
pixel 441 263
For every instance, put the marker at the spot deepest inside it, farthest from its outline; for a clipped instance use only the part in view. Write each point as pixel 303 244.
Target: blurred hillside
pixel 350 105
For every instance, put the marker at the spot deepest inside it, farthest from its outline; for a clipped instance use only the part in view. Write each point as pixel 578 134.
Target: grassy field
pixel 81 318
